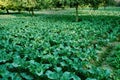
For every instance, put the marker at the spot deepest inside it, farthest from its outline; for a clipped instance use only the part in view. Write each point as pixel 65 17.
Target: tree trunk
pixel 32 12
pixel 77 17
pixel 7 11
pixel 105 7
pixel 19 11
pixel 29 10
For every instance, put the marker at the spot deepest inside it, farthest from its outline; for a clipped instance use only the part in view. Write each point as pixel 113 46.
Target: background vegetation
pixel 31 5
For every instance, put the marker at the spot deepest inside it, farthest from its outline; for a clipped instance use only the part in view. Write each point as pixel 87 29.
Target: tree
pixel 76 3
pixel 29 5
pixel 2 5
pixel 73 3
pixel 17 5
pixel 44 4
pixel 11 4
pixel 108 3
pixel 94 3
pixel 6 4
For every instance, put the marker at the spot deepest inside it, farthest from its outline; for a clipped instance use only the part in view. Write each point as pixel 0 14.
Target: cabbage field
pixel 52 46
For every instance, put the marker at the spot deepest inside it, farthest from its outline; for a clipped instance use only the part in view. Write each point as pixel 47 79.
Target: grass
pixel 51 45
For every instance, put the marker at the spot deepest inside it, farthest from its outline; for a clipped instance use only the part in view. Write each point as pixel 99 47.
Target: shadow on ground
pixel 64 17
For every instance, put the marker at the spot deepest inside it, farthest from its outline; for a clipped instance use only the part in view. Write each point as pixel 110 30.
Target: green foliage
pixel 38 4
pixel 46 47
pixel 115 58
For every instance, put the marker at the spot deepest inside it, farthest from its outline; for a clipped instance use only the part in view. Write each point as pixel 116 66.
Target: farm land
pixel 51 46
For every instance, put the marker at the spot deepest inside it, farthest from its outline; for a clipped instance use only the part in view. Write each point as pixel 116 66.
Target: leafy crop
pixel 52 47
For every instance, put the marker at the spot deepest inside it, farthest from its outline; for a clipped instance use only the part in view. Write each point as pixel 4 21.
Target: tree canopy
pixel 17 4
pixel 30 5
